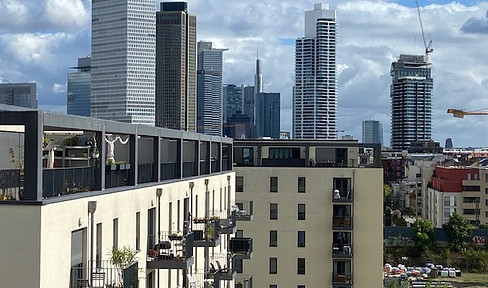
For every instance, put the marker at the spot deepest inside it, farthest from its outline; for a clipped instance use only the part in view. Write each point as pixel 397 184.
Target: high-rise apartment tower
pixel 176 67
pixel 315 91
pixel 123 60
pixel 411 103
pixel 209 89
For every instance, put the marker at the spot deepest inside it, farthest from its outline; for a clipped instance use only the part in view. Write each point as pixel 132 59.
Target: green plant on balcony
pixel 209 231
pixel 121 258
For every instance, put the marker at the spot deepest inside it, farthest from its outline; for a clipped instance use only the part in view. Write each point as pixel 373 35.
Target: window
pixel 273 238
pixel 239 233
pixel 273 265
pixel 273 184
pixel 301 286
pixel 239 285
pixel 301 184
pixel 273 286
pixel 138 231
pixel 238 263
pixel 273 211
pixel 98 256
pixel 301 211
pixel 239 184
pixel 301 239
pixel 115 232
pixel 301 266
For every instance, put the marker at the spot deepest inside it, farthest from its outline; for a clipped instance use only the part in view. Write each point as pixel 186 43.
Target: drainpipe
pixel 159 192
pixel 92 207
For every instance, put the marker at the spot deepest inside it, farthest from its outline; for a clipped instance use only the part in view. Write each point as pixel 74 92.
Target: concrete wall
pixel 367 225
pixel 36 240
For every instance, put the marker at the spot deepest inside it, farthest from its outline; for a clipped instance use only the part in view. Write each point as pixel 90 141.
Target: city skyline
pixel 40 44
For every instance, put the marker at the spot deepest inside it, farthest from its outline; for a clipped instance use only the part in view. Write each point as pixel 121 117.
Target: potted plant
pixel 122 258
pixel 209 231
pixel 175 236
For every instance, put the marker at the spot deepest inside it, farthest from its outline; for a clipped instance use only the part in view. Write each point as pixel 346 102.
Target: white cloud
pixel 59 88
pixel 372 33
pixel 12 13
pixel 66 14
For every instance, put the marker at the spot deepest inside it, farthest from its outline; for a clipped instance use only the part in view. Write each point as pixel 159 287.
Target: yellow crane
pixel 461 113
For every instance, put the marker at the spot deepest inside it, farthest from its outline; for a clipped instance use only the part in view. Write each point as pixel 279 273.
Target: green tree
pixel 424 236
pixel 457 229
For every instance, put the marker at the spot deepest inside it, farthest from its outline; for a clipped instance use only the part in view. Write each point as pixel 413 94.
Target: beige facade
pixel 37 240
pixel 343 233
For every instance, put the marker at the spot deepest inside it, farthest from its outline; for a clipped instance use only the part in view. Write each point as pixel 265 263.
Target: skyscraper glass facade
pixel 123 60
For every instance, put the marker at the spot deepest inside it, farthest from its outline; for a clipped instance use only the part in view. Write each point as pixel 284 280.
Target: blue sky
pixel 41 39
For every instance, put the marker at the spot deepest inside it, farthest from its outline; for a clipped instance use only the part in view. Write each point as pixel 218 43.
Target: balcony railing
pixel 340 251
pixel 342 222
pixel 222 267
pixel 68 180
pixel 11 185
pixel 207 233
pixel 341 195
pixel 246 213
pixel 341 279
pixel 228 225
pixel 241 247
pixel 104 274
pixel 174 251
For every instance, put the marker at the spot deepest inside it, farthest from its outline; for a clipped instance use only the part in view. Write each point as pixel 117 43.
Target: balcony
pixel 104 274
pixel 218 273
pixel 228 225
pixel 342 222
pixel 206 233
pixel 342 196
pixel 245 212
pixel 341 251
pixel 341 279
pixel 173 252
pixel 242 247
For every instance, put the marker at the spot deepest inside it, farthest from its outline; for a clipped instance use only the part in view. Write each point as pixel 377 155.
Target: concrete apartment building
pixel 80 186
pixel 315 211
pixel 463 190
pixel 19 94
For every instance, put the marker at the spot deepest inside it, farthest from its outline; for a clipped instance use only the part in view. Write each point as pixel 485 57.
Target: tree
pixel 457 229
pixel 424 236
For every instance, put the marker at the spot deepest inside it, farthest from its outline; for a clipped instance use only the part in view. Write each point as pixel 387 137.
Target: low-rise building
pixel 76 188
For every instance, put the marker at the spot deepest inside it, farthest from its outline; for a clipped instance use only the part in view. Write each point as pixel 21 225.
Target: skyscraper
pixel 315 91
pixel 79 88
pixel 372 132
pixel 233 101
pixel 411 104
pixel 123 60
pixel 209 89
pixel 176 67
pixel 267 107
pixel 19 94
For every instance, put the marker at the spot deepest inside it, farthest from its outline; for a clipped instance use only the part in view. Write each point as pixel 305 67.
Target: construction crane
pixel 461 113
pixel 428 47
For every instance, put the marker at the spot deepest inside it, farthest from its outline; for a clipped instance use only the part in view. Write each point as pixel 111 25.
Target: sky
pixel 41 39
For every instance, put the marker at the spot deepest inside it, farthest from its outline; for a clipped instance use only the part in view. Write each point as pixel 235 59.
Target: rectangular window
pixel 486 202
pixel 238 265
pixel 239 233
pixel 301 239
pixel 273 286
pixel 98 255
pixel 301 266
pixel 273 184
pixel 486 178
pixel 138 231
pixel 273 238
pixel 273 211
pixel 115 233
pixel 301 184
pixel 239 184
pixel 301 286
pixel 301 211
pixel 273 265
